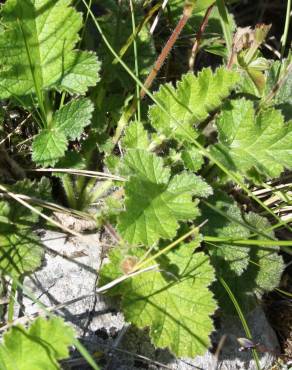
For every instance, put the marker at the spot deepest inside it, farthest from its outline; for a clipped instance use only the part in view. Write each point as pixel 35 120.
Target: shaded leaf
pixel 227 223
pixel 20 252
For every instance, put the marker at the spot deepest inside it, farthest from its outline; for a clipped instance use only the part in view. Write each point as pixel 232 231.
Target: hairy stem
pixel 167 48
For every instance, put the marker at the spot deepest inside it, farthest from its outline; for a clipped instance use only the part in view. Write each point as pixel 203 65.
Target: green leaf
pixel 191 102
pixel 227 223
pixel 263 273
pixel 248 141
pixel 282 98
pixel 37 49
pixel 247 269
pixel 49 146
pixel 155 202
pixel 73 117
pixel 136 137
pixel 81 72
pixel 192 159
pixel 268 264
pixel 39 347
pixel 174 302
pixel 20 252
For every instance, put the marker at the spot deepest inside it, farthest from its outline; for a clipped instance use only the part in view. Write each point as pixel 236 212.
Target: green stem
pixel 63 97
pixel 226 27
pixel 136 61
pixel 166 249
pixel 12 301
pixel 69 190
pixel 263 242
pixel 241 317
pixel 286 28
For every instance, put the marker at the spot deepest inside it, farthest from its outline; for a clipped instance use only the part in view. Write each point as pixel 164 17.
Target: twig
pixel 167 48
pixel 219 349
pixel 197 42
pixel 112 232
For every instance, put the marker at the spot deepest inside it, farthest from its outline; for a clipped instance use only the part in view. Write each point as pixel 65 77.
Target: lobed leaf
pixel 20 252
pixel 68 122
pixel 250 141
pixel 247 269
pixel 73 117
pixel 49 146
pixel 154 201
pixel 174 302
pixel 191 102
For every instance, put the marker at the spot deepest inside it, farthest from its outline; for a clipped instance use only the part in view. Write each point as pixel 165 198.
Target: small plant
pixel 179 193
pixel 39 59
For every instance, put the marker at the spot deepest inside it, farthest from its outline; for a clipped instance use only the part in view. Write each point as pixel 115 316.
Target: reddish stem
pixel 166 50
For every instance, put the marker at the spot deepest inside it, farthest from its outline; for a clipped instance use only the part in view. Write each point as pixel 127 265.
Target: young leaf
pixel 174 302
pixel 49 146
pixel 73 117
pixel 248 141
pixel 37 49
pixel 191 102
pixel 192 159
pixel 39 347
pixel 68 123
pixel 136 137
pixel 82 69
pixel 164 200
